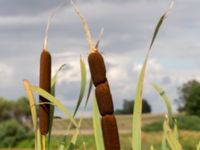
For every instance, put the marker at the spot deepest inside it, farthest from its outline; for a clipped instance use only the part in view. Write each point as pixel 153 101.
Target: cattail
pixel 103 94
pixel 104 98
pixel 45 83
pixel 104 101
pixel 97 69
pixel 110 132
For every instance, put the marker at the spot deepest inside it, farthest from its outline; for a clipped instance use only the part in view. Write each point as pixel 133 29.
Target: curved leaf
pixel 171 138
pixel 97 127
pixel 83 85
pixel 56 103
pixel 166 100
pixel 136 126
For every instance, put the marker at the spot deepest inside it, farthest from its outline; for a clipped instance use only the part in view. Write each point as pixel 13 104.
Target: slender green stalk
pixel 43 142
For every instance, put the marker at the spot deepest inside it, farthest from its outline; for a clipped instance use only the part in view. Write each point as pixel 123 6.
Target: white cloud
pixel 6 75
pixel 128 28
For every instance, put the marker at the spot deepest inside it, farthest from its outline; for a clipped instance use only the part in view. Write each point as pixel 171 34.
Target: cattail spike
pixel 45 83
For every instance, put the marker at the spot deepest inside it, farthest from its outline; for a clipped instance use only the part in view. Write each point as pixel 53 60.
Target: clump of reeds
pixel 103 97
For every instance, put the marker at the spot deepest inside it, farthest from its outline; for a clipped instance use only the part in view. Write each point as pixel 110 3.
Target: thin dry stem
pixel 99 38
pixel 86 28
pixel 51 15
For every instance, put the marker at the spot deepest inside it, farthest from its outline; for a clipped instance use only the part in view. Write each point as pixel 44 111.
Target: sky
pixel 128 28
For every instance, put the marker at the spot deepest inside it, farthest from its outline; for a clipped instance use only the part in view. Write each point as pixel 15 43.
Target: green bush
pixel 184 123
pixel 12 132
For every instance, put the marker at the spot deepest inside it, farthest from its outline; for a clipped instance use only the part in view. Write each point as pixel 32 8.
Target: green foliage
pixel 128 107
pixel 14 109
pixel 5 109
pixel 97 127
pixel 12 132
pixel 189 97
pixel 184 123
pixel 21 109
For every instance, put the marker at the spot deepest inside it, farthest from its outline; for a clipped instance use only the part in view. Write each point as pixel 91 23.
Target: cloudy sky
pixel 128 27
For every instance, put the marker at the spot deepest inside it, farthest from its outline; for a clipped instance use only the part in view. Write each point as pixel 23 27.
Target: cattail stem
pixel 43 142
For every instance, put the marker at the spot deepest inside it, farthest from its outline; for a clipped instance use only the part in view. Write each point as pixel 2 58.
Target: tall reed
pixel 102 91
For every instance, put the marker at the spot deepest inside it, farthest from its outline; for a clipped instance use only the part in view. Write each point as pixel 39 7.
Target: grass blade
pixel 198 146
pixel 62 143
pixel 162 18
pixel 54 78
pixel 164 145
pixel 32 105
pixel 56 102
pixel 88 94
pixel 136 127
pixel 83 85
pixel 97 127
pixel 175 130
pixel 166 100
pixel 74 137
pixel 51 115
pixel 152 147
pixel 171 138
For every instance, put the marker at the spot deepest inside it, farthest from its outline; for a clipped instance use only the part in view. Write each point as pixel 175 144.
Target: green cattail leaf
pixel 97 127
pixel 175 129
pixel 162 18
pixel 171 138
pixel 32 105
pixel 72 143
pixel 164 145
pixel 54 78
pixel 61 147
pixel 62 143
pixel 55 101
pixel 51 115
pixel 83 85
pixel 136 126
pixel 198 146
pixel 166 100
pixel 88 94
pixel 152 147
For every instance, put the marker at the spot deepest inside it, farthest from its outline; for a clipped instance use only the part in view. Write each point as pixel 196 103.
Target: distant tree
pixel 128 106
pixel 189 97
pixel 146 108
pixel 21 109
pixel 14 109
pixel 5 109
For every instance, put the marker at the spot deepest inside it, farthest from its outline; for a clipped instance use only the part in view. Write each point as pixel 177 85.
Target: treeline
pixel 18 109
pixel 128 107
pixel 15 121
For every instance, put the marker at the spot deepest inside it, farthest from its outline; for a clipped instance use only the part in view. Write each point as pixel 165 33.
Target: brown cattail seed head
pixel 45 83
pixel 110 132
pixel 104 98
pixel 97 67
